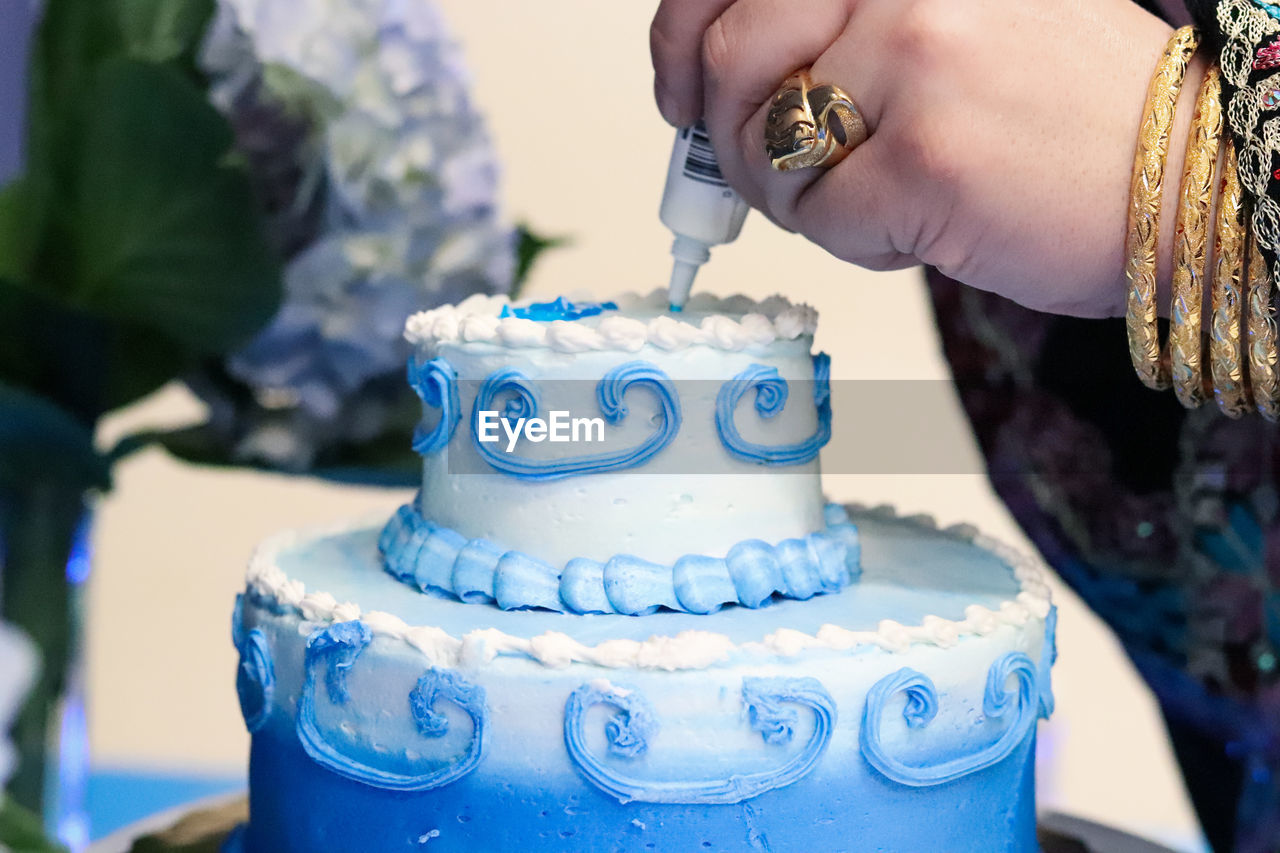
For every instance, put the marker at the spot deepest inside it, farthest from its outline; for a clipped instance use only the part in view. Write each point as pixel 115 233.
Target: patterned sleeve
pixel 1245 34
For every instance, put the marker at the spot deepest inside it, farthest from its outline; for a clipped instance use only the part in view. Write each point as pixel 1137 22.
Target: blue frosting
pixel 549 809
pixel 610 391
pixel 236 842
pixel 771 392
pixel 921 706
pixel 255 677
pixel 630 730
pixel 237 623
pixel 1048 657
pixel 332 651
pixel 439 559
pixel 701 728
pixel 436 383
pixel 558 309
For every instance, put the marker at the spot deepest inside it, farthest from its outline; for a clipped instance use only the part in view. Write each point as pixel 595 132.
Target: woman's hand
pixel 1002 131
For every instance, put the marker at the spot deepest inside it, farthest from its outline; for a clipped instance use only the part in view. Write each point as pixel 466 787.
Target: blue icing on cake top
pixel 559 308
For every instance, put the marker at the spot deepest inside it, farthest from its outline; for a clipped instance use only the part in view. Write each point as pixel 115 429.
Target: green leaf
pixel 17 237
pixel 20 830
pixel 48 347
pixel 73 39
pixel 40 442
pixel 166 236
pixel 529 246
pixel 80 361
pixel 163 30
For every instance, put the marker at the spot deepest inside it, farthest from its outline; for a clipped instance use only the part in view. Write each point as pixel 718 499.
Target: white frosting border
pixel 687 650
pixel 476 320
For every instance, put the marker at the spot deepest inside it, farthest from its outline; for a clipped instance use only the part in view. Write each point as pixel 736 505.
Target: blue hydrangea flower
pixel 381 186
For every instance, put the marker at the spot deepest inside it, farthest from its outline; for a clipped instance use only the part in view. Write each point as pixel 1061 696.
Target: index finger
pixel 675 43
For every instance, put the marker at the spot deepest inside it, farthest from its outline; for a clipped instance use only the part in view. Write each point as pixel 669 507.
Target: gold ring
pixel 811 125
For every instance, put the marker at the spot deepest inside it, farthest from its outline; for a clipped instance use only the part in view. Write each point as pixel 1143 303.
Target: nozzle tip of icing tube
pixel 682 275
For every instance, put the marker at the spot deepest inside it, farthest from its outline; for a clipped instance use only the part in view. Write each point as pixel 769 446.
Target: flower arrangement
pixel 245 195
pixel 356 120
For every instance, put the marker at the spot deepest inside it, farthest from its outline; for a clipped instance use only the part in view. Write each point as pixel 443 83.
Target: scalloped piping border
pixel 476 320
pixel 687 650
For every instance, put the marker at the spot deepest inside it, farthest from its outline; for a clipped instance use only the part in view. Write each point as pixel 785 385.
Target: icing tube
pixel 698 206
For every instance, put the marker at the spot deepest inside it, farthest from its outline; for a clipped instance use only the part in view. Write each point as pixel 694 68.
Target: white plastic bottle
pixel 698 206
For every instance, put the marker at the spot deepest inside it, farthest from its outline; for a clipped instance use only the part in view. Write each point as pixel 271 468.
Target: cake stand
pixel 203 827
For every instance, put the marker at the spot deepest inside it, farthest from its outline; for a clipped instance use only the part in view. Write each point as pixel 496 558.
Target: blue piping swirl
pixel 771 398
pixel 610 394
pixel 436 383
pixel 768 703
pixel 558 309
pixel 255 679
pixel 433 558
pixel 332 651
pixel 1023 703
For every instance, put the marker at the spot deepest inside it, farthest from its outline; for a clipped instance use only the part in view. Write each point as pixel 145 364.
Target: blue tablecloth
pixel 118 797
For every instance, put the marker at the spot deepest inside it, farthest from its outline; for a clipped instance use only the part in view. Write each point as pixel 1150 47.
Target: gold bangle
pixel 1191 239
pixel 1225 349
pixel 1261 325
pixel 1144 208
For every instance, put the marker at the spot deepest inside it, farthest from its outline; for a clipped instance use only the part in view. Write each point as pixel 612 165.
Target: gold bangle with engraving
pixel 1261 327
pixel 1226 353
pixel 1190 240
pixel 1144 208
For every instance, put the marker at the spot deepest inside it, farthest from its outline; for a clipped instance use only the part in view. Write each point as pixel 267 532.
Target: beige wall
pixel 566 84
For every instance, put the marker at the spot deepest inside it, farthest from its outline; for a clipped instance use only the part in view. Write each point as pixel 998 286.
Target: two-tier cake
pixel 618 616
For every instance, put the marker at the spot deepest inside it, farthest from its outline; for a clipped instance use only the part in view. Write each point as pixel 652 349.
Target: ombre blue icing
pixel 437 559
pixel 330 655
pixel 920 706
pixel 558 309
pixel 436 384
pixel 771 392
pixel 665 749
pixel 523 402
pixel 771 709
pixel 255 679
pixel 467 678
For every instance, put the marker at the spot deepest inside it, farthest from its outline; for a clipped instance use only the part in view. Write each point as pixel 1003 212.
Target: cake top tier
pixel 625 324
pixel 702 431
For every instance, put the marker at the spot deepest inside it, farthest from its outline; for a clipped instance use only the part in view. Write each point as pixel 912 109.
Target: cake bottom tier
pixel 896 715
pixel 540 810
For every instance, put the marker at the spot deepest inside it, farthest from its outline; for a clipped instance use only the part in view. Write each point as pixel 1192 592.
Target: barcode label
pixel 700 164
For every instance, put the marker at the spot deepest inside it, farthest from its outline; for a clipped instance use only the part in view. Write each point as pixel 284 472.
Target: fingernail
pixel 667 104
